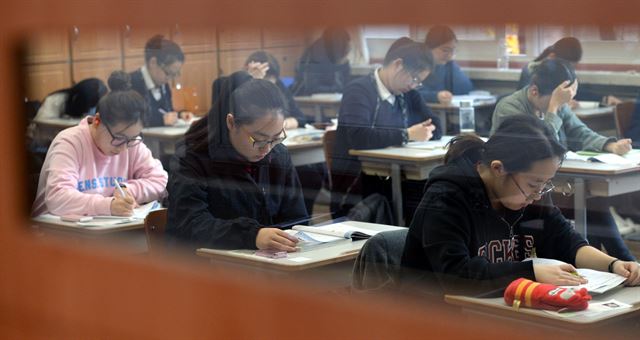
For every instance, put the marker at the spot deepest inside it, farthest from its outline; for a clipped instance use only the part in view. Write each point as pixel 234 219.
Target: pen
pixel 120 189
pixel 163 111
pixel 577 275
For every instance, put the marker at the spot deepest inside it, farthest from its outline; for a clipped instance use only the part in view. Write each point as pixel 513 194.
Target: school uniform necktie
pixel 401 106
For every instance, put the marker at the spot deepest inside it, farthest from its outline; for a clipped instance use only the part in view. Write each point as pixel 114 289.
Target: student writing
pixel 477 220
pixel 79 173
pixel 232 180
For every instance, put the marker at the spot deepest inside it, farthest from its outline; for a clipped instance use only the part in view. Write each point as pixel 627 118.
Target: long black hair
pixel 519 141
pixel 568 48
pixel 83 96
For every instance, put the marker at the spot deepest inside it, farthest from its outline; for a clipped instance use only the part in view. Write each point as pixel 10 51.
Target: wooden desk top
pixel 402 154
pixel 321 98
pixel 594 112
pixel 317 257
pixel 168 132
pixel 498 308
pixel 593 168
pixel 57 122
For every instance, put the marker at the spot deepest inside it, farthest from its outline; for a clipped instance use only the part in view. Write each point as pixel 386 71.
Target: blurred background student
pixel 232 182
pixel 74 103
pixel 163 61
pixel 446 79
pixel 324 67
pixel 84 162
pixel 569 49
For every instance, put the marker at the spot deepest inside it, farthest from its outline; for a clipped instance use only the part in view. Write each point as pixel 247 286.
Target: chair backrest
pixel 379 261
pixel 623 114
pixel 328 141
pixel 154 225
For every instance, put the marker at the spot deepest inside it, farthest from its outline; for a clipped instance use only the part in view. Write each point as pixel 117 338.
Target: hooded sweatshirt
pixel 459 237
pixel 78 179
pixel 218 199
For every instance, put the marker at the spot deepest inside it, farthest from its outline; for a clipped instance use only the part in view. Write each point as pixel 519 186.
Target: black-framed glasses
pixel 547 187
pixel 169 73
pixel 119 141
pixel 416 83
pixel 260 144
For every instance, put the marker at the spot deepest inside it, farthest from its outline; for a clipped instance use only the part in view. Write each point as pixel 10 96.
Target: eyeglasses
pixel 169 73
pixel 416 83
pixel 447 50
pixel 546 188
pixel 119 141
pixel 260 144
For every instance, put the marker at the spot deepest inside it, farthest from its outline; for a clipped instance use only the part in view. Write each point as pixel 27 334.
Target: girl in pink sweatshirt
pixel 84 162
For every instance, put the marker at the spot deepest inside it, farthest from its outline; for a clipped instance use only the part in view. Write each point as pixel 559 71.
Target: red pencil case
pixel 526 293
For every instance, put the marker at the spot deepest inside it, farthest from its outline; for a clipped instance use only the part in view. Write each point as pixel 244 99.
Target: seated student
pixel 163 60
pixel 553 85
pixel 477 221
pixel 264 65
pixel 447 78
pixel 380 110
pixel 84 162
pixel 232 183
pixel 324 67
pixel 75 102
pixel 569 49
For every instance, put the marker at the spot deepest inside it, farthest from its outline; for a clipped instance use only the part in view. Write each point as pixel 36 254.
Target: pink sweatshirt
pixel 78 179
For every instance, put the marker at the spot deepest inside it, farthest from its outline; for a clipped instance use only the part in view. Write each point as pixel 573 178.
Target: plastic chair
pixel 378 264
pixel 154 225
pixel 623 115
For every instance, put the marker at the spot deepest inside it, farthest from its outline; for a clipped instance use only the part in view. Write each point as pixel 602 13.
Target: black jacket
pixel 153 117
pixel 457 235
pixel 367 122
pixel 218 199
pixel 316 73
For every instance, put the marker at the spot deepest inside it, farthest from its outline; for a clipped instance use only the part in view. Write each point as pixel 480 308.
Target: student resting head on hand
pixel 232 181
pixel 477 220
pixel 84 162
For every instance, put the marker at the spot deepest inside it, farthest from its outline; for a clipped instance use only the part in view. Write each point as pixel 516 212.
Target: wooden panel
pixel 232 61
pixel 198 74
pixel 192 39
pixel 287 57
pixel 135 37
pixel 283 37
pixel 133 63
pixel 44 79
pixel 95 69
pixel 235 39
pixel 46 47
pixel 94 43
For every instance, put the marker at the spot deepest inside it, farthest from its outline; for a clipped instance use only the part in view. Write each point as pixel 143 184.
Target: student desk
pixel 316 105
pixel 130 237
pixel 330 262
pixel 494 309
pixel 47 129
pixel 161 140
pixel 417 160
pixel 448 114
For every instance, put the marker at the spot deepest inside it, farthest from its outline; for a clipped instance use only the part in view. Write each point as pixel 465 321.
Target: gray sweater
pixel 570 130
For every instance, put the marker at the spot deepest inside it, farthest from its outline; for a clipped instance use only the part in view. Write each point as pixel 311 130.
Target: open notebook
pixel 139 213
pixel 599 282
pixel 631 158
pixel 313 236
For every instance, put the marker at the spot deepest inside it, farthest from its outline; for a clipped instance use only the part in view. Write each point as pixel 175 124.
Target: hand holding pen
pixel 168 118
pixel 123 202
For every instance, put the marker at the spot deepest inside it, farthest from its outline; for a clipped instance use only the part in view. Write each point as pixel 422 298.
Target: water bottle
pixel 467 117
pixel 503 55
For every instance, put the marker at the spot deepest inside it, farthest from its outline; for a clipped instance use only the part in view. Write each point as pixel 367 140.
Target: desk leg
pixel 318 110
pixel 396 189
pixel 580 206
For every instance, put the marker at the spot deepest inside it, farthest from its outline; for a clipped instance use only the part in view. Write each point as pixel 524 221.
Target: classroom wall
pixel 58 58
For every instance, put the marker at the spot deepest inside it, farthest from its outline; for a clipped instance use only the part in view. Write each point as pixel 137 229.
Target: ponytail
pixel 469 146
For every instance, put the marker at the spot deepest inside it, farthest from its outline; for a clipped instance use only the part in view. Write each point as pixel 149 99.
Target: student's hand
pixel 445 97
pixel 186 115
pixel 257 70
pixel 290 123
pixel 630 270
pixel 561 95
pixel 421 131
pixel 620 147
pixel 574 104
pixel 611 100
pixel 170 118
pixel 559 275
pixel 275 239
pixel 122 206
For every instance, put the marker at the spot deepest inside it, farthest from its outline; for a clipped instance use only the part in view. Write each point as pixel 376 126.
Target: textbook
pixel 598 282
pixel 631 158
